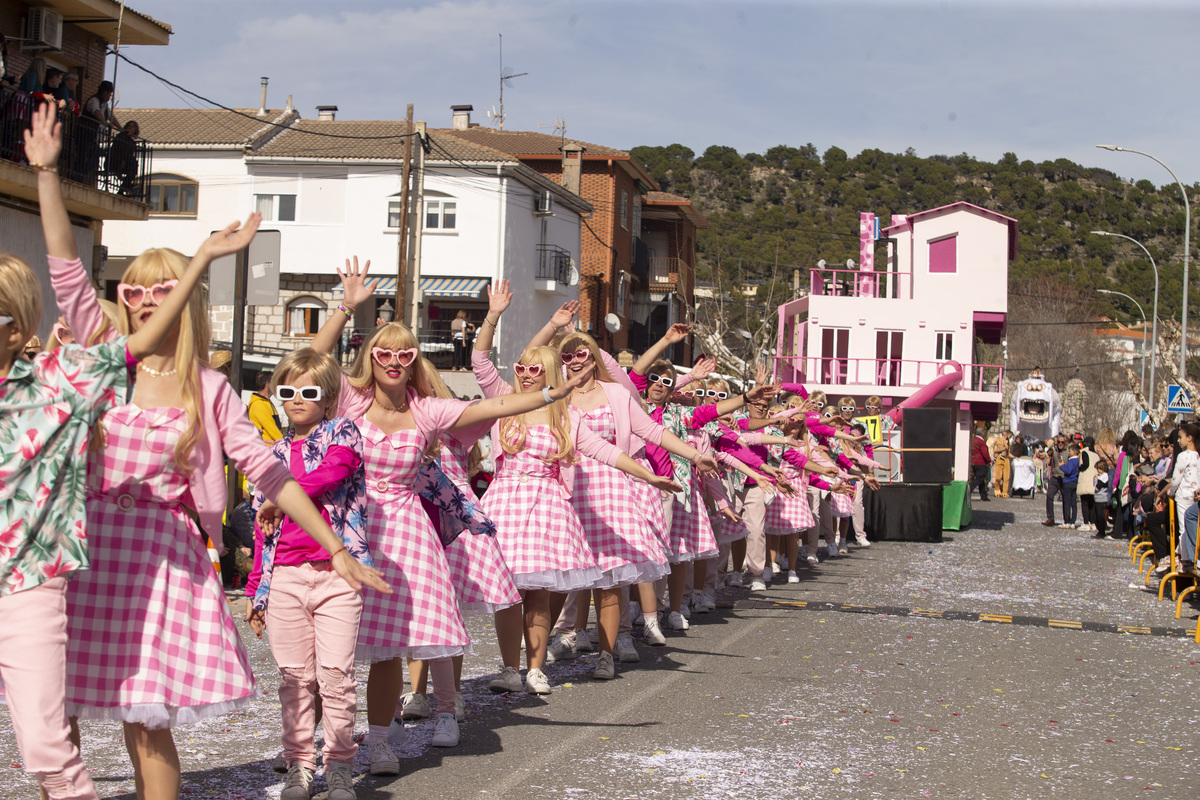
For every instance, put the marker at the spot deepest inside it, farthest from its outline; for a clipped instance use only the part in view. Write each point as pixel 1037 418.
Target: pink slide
pixel 951 376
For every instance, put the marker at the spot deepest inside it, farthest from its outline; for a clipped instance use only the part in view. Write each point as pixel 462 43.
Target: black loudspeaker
pixel 927 445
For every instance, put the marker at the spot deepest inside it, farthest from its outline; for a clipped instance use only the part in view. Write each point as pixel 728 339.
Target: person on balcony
pixel 66 93
pixel 32 80
pixel 122 166
pixel 97 106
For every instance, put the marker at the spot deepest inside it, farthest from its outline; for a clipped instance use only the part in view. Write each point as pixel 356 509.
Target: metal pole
pixel 1143 313
pixel 1154 331
pixel 402 247
pixel 240 277
pixel 1187 232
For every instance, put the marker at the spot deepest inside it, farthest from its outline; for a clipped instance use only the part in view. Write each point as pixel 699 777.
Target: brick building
pixel 639 245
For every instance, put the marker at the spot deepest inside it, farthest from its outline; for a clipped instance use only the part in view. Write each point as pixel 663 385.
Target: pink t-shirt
pixel 295 546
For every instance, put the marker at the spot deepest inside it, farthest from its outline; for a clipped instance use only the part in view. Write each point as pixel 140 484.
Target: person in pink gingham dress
pixel 391 399
pixel 152 642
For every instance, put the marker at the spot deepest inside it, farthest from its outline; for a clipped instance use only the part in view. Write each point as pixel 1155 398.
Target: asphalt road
pixel 894 672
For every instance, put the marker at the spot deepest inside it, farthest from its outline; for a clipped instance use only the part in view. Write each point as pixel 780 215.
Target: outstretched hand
pixel 566 312
pixel 707 465
pixel 357 575
pixel 257 618
pixel 233 237
pixel 355 287
pixel 760 373
pixel 43 140
pixel 664 484
pixel 572 382
pixel 499 297
pixel 730 514
pixel 704 367
pixel 762 391
pixel 677 333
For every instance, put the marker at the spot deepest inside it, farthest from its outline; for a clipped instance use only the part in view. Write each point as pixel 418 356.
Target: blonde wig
pixel 322 368
pixel 818 397
pixel 191 347
pixel 20 296
pixel 573 341
pixel 391 336
pixel 513 430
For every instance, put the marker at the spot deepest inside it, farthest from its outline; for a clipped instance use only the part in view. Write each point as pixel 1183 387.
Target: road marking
pixel 962 616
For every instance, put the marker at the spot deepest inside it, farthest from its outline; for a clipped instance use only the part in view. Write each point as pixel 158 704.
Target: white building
pixel 332 188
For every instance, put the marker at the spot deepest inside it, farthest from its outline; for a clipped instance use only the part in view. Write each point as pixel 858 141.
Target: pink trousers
pixel 312 623
pixel 754 513
pixel 33 666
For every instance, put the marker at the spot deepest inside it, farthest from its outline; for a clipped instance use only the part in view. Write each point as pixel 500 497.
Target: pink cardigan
pixel 585 440
pixel 227 429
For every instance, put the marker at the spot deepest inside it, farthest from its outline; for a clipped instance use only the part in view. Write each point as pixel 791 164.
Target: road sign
pixel 1178 400
pixel 262 279
pixel 1144 419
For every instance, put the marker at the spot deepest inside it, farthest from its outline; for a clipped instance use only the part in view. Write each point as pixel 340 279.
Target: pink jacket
pixel 227 429
pixel 585 440
pixel 433 415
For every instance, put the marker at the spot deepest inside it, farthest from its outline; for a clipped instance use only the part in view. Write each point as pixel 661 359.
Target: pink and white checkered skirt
pixel 538 532
pixel 790 514
pixel 627 551
pixel 650 502
pixel 151 636
pixel 421 617
pixel 842 505
pixel 691 531
pixel 724 530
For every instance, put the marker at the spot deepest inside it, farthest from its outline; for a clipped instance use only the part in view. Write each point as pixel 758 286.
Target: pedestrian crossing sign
pixel 1178 400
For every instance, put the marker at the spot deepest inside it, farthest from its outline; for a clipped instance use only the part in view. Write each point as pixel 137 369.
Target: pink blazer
pixel 227 429
pixel 433 415
pixel 585 440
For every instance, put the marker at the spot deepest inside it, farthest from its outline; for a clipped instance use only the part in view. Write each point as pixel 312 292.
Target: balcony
pixel 556 269
pixel 828 282
pixel 880 373
pixel 104 171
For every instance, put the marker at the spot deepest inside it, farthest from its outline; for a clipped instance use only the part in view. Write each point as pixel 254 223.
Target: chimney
pixel 462 117
pixel 290 107
pixel 326 113
pixel 262 102
pixel 572 166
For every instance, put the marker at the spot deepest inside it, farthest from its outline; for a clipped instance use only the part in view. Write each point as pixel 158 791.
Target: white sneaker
pixel 460 707
pixel 698 605
pixel 396 733
pixel 299 783
pixel 624 650
pixel 605 670
pixel 414 706
pixel 562 648
pixel 793 577
pixel 509 680
pixel 685 608
pixel 767 575
pixel 676 622
pixel 340 782
pixel 734 579
pixel 652 634
pixel 583 642
pixel 830 550
pixel 383 759
pixel 708 601
pixel 757 585
pixel 813 561
pixel 445 731
pixel 536 682
pixel 862 540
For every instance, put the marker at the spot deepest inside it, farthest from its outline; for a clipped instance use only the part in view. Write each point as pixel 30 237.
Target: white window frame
pixel 944 345
pixel 438 206
pixel 272 213
pixel 399 214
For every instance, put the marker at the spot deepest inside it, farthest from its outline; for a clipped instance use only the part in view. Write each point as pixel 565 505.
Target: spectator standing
pixel 1056 454
pixel 1087 483
pixel 460 330
pixel 981 459
pixel 34 77
pixel 262 410
pixel 122 165
pixel 97 106
pixel 1070 484
pixel 66 93
pixel 1001 464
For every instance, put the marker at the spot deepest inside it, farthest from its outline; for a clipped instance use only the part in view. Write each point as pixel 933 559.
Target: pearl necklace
pixel 585 391
pixel 389 407
pixel 166 373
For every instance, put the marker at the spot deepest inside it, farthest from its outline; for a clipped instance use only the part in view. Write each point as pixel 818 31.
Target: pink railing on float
pixel 830 282
pixel 883 372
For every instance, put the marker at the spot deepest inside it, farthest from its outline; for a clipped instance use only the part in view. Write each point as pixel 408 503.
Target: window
pixel 276 207
pixel 305 316
pixel 835 347
pixel 173 194
pixel 625 209
pixel 393 214
pixel 945 346
pixel 889 350
pixel 441 215
pixel 943 255
pixel 637 215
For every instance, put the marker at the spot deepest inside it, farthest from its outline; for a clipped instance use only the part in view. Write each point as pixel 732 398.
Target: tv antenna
pixel 506 76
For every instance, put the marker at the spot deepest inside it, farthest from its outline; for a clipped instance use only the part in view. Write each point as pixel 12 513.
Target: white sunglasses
pixel 4 319
pixel 667 382
pixel 312 394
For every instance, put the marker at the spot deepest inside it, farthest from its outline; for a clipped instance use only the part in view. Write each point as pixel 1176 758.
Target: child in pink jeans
pixel 313 615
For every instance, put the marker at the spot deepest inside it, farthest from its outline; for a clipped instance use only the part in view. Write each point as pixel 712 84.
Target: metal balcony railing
pixel 883 372
pixel 554 263
pixel 93 154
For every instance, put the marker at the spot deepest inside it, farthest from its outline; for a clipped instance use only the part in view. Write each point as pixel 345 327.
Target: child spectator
pixel 1070 483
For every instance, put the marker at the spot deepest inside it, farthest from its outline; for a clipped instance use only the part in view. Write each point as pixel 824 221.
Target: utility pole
pixel 402 247
pixel 418 198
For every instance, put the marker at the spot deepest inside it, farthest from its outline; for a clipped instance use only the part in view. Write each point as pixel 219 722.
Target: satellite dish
pixel 849 263
pixel 573 274
pixel 612 322
pixel 821 264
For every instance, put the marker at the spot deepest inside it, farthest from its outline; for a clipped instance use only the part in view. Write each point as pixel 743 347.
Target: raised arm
pixel 559 319
pixel 499 298
pixel 509 405
pixel 356 289
pixel 43 144
pixel 675 334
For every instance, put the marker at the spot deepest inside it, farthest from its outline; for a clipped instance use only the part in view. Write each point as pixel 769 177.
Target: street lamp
pixel 745 334
pixel 1187 232
pixel 1154 331
pixel 1143 313
pixel 386 312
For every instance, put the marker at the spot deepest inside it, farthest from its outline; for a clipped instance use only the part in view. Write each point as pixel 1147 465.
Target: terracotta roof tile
pixel 167 126
pixel 529 143
pixel 665 197
pixel 369 140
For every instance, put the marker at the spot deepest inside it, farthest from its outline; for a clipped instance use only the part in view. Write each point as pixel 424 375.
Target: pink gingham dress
pixel 539 533
pixel 420 619
pixel 151 637
pixel 627 551
pixel 790 514
pixel 691 531
pixel 650 504
pixel 482 580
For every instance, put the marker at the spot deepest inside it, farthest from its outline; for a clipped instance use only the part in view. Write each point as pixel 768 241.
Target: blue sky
pixel 1041 79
